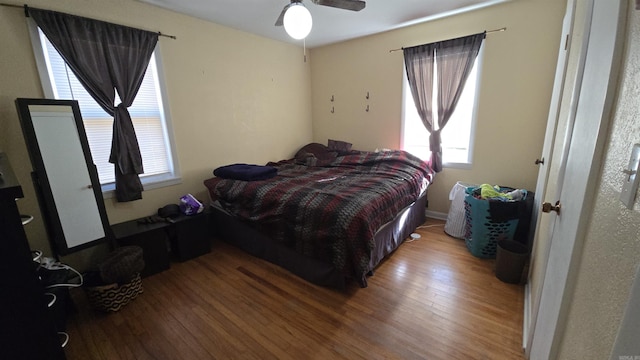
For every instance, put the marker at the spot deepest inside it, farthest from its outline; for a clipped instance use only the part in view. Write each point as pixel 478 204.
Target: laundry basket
pixel 489 221
pixel 455 225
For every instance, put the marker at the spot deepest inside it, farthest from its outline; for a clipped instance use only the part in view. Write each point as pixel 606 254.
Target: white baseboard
pixel 435 215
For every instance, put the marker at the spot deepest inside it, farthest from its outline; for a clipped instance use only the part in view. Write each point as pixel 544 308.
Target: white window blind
pixel 456 137
pixel 146 113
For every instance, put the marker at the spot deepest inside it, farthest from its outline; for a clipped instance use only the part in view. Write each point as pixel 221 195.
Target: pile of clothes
pixel 494 192
pixel 504 203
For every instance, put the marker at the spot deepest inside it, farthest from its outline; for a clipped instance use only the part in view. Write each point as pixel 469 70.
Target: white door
pixel 568 78
pixel 578 165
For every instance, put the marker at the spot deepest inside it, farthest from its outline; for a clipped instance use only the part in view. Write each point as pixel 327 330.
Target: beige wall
pixel 611 252
pixel 516 82
pixel 238 97
pixel 233 97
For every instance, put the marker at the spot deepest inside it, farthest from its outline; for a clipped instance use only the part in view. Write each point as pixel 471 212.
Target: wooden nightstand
pixel 184 237
pixel 152 238
pixel 190 236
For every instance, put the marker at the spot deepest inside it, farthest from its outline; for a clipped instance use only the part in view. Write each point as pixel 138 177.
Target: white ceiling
pixel 330 25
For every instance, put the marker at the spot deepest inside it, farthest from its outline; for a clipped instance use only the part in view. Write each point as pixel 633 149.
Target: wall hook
pixel 367 97
pixel 367 109
pixel 332 110
pixel 331 98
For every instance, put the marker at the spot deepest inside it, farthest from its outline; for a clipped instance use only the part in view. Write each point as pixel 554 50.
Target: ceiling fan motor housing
pixel 298 20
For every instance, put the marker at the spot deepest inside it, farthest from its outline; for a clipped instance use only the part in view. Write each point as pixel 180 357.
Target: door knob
pixel 538 161
pixel 547 207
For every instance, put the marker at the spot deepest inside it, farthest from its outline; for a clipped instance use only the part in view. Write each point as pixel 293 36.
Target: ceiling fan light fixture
pixel 297 21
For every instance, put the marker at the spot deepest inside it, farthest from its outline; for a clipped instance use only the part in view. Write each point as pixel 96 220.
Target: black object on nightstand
pixel 153 240
pixel 190 236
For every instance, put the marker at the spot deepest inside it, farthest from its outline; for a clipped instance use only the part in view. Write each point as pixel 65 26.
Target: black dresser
pixel 27 328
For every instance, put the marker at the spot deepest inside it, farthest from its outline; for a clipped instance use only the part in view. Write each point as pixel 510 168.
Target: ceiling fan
pixel 303 17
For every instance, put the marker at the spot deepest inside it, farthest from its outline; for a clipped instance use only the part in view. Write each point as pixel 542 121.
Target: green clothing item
pixel 489 192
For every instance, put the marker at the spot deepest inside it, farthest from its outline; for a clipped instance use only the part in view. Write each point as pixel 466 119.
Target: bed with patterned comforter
pixel 328 210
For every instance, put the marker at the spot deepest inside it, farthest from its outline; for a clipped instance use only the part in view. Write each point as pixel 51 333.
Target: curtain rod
pixel 486 32
pixel 26 13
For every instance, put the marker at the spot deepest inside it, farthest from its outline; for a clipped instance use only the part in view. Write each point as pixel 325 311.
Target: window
pixel 147 113
pixel 457 135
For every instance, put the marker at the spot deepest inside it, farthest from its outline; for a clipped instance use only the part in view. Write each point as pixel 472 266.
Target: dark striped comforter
pixel 329 212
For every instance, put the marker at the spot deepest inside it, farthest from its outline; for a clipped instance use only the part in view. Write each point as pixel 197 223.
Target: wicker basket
pixel 112 297
pixel 122 264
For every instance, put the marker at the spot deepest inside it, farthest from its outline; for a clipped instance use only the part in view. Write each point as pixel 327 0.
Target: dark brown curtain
pixel 454 60
pixel 106 58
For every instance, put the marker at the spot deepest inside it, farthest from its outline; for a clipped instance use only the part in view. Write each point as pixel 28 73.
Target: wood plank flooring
pixel 430 300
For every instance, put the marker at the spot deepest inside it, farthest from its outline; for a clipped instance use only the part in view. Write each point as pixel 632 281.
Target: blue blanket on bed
pixel 245 172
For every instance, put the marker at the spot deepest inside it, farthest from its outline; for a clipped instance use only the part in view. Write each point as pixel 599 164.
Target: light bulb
pixel 297 21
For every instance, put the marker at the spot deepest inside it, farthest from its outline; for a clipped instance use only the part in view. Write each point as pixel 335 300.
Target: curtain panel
pixel 106 58
pixel 452 60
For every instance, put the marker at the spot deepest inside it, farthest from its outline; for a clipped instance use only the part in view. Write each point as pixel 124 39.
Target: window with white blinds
pixel 147 113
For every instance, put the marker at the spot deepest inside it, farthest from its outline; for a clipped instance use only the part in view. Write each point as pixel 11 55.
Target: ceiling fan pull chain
pixel 304 49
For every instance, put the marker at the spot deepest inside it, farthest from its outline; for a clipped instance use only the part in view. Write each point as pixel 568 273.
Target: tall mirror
pixel 64 174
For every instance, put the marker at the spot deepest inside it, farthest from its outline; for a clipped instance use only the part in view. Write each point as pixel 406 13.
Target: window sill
pixel 149 183
pixel 462 166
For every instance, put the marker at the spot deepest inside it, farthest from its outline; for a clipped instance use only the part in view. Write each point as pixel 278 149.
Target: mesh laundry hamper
pixel 455 225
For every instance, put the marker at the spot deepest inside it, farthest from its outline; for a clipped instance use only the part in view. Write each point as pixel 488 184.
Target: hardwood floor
pixel 430 300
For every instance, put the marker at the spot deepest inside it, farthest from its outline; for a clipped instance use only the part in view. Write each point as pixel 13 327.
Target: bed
pixel 329 215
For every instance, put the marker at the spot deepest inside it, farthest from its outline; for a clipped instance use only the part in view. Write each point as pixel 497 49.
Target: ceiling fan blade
pixel 354 5
pixel 280 20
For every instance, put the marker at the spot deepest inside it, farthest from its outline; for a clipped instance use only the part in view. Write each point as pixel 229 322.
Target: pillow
pixel 314 151
pixel 314 161
pixel 339 146
pixel 312 148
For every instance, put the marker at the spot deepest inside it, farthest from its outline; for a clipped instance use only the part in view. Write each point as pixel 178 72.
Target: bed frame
pixel 238 233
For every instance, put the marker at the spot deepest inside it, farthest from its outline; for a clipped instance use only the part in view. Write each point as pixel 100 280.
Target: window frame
pixel 406 92
pixel 172 177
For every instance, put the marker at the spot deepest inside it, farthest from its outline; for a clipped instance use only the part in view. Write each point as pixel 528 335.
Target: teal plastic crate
pixel 482 231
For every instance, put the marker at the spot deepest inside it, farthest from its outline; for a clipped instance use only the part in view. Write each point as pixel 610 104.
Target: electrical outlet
pixel 630 186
